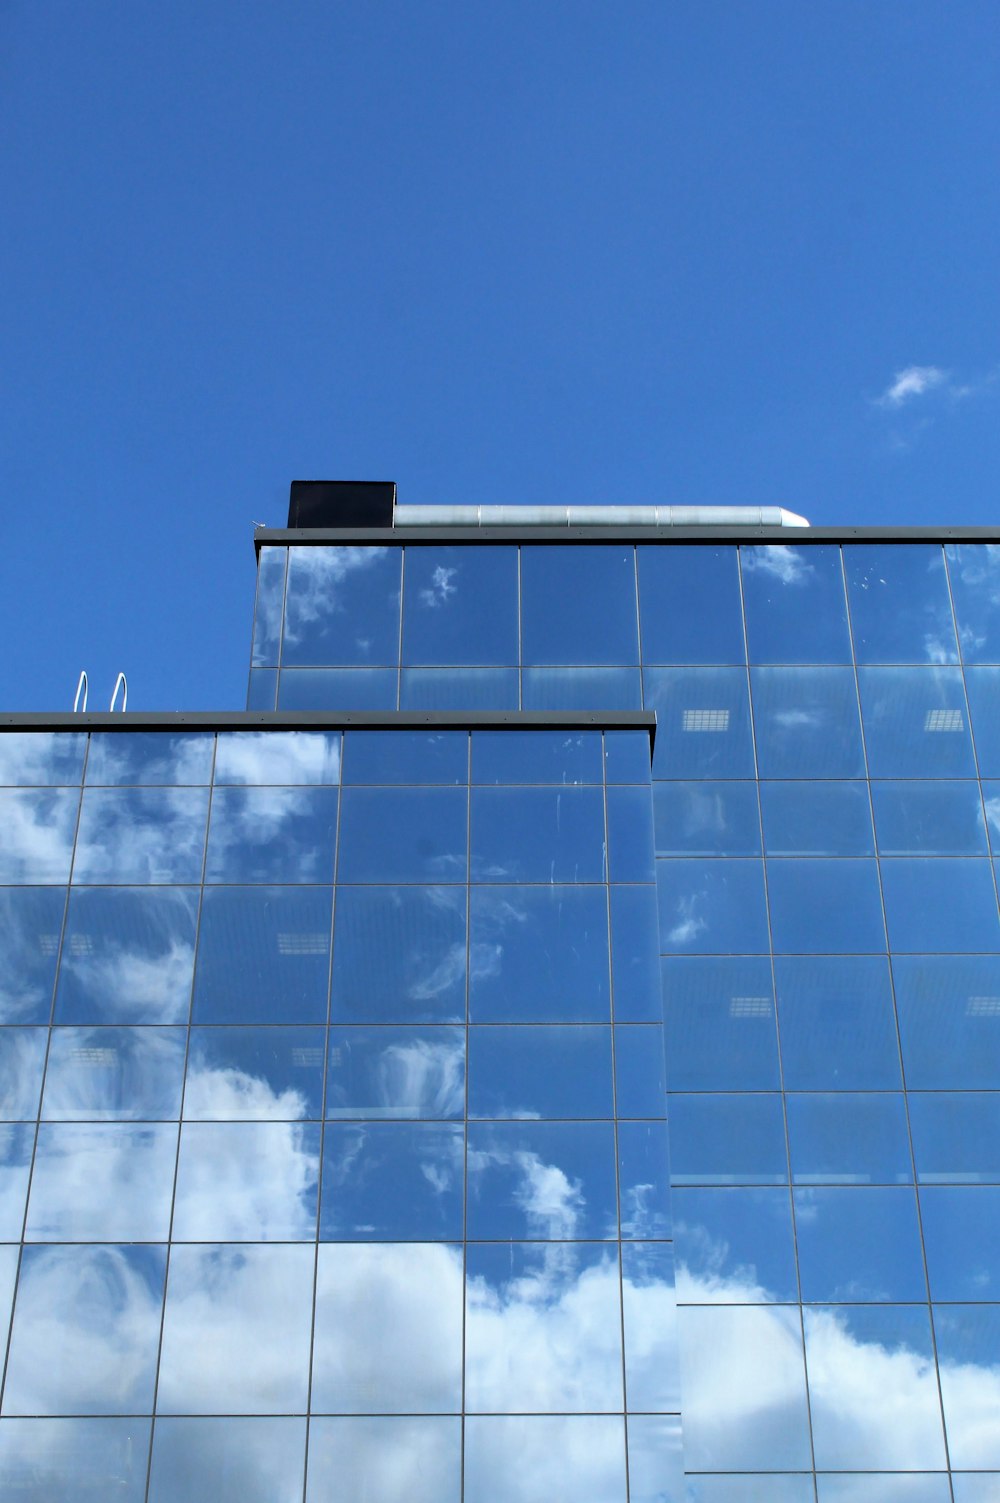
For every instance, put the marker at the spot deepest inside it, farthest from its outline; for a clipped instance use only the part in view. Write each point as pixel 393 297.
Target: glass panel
pixel 262 689
pixel 272 835
pixel 460 605
pixel 247 1182
pixel 652 1380
pixel 795 605
pixel 254 1074
pixel 146 758
pixel 913 1487
pixel 635 960
pixel 816 819
pixel 626 755
pixel 396 1072
pixel 974 1487
pixel 983 688
pixel 859 1244
pixel 916 723
pixel 630 835
pixel 655 1459
pixel 269 606
pixel 337 688
pixel 141 835
pixel 734 1246
pixel 236 1330
pixel 22 1060
pixel 227 1460
pixel 559 588
pixel 940 904
pixel 406 757
pixel 280 757
pixel 381 1459
pixel 727 1140
pixel 399 955
pixel 392 1182
pixel 848 1139
pixel 703 722
pixel 837 1026
pixel 639 1071
pixel 806 723
pixel 263 953
pixel 689 600
pixel 961 1227
pixel 560 757
pixel 539 954
pixel 956 1136
pixel 733 1489
pixel 31 921
pixel 643 1179
pixel 41 758
pixel 538 1071
pixel 706 819
pixel 388 1330
pixel 968 1345
pixel 109 1074
pixel 825 906
pixel 550 1181
pixel 99 1307
pixel 581 689
pixel 36 834
pixel 16 1145
pixel 712 907
pixel 744 1387
pixel 403 835
pixel 342 606
pixel 991 803
pixel 567 1458
pixel 949 1020
pixel 102 1182
pixel 539 834
pixel 73 1460
pixel 915 817
pixel 720 1032
pixel 872 1387
pixel 128 956
pixel 974 571
pixel 467 689
pixel 526 1348
pixel 900 606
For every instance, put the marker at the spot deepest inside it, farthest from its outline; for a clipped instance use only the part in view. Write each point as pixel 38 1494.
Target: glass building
pixel 545 1050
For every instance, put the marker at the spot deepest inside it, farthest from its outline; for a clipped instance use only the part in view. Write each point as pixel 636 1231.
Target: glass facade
pixel 337 1070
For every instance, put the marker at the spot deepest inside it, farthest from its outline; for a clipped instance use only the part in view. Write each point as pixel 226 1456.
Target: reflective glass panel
pixel 635 961
pixel 236 1328
pixel 399 955
pixel 539 954
pixel 120 758
pixel 837 1026
pixel 526 1349
pixel 561 757
pixel 406 757
pixel 262 689
pixel 639 1071
pixel 727 1140
pixel 41 758
pixel 375 1456
pixel 227 1460
pixel 825 906
pixel 916 723
pixel 338 688
pixel 263 955
pixel 548 1181
pixel 706 819
pixel 247 1182
pixel 900 605
pixel 73 1460
pixel 581 689
pixel 720 1032
pixel 392 1182
pixel 974 1487
pixel 539 1071
pixel 689 600
pixel 403 835
pixel 342 606
pixel 141 835
pixel 567 1457
pixel 983 686
pixel 974 571
pixel 269 606
pixel 991 803
pixel 949 1020
pixel 859 1244
pixel 16 1145
pixel 643 1180
pixel 848 1139
pixel 22 1060
pixel 787 1488
pixel 560 588
pixel 956 1136
pixel 626 756
pixel 36 834
pixel 109 1074
pixel 940 904
pixel 913 818
pixel 703 722
pixel 655 1458
pixel 712 907
pixel 630 835
pixel 796 609
pixel 652 1380
pixel 539 834
pixel 280 757
pixel 396 1072
pixel 806 723
pixel 388 1330
pixel 127 956
pixel 272 835
pixel 734 1246
pixel 810 818
pixel 465 689
pixel 99 1307
pixel 102 1182
pixel 460 605
pixel 904 1487
pixel 961 1228
pixel 31 922
pixel 254 1074
pixel 968 1347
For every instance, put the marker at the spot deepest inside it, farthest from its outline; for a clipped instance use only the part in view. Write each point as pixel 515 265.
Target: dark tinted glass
pixel 900 606
pixel 796 609
pixel 578 605
pixel 460 605
pixel 342 606
pixel 676 584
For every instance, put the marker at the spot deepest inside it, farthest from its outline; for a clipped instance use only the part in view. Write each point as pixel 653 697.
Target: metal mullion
pixel 465 1125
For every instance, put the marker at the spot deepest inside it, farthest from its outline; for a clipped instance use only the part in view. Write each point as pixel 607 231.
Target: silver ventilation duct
pixel 595 516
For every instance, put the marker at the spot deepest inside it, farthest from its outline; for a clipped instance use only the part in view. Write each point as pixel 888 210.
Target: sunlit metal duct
pixel 595 516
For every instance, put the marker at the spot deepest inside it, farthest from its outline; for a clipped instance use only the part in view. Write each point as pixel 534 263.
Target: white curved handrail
pixel 81 688
pixel 121 682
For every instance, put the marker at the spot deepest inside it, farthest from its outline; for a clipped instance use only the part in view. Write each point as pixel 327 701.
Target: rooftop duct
pixel 595 516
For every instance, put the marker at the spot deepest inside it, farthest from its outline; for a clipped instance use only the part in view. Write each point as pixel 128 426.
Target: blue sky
pixel 536 250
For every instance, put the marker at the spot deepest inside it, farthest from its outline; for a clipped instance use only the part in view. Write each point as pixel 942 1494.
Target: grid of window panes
pixel 827 806
pixel 332 1100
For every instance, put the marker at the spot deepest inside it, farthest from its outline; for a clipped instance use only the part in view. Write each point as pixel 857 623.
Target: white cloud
pixel 911 382
pixel 788 565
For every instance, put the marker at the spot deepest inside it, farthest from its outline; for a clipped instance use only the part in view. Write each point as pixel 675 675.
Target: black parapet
pixel 341 503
